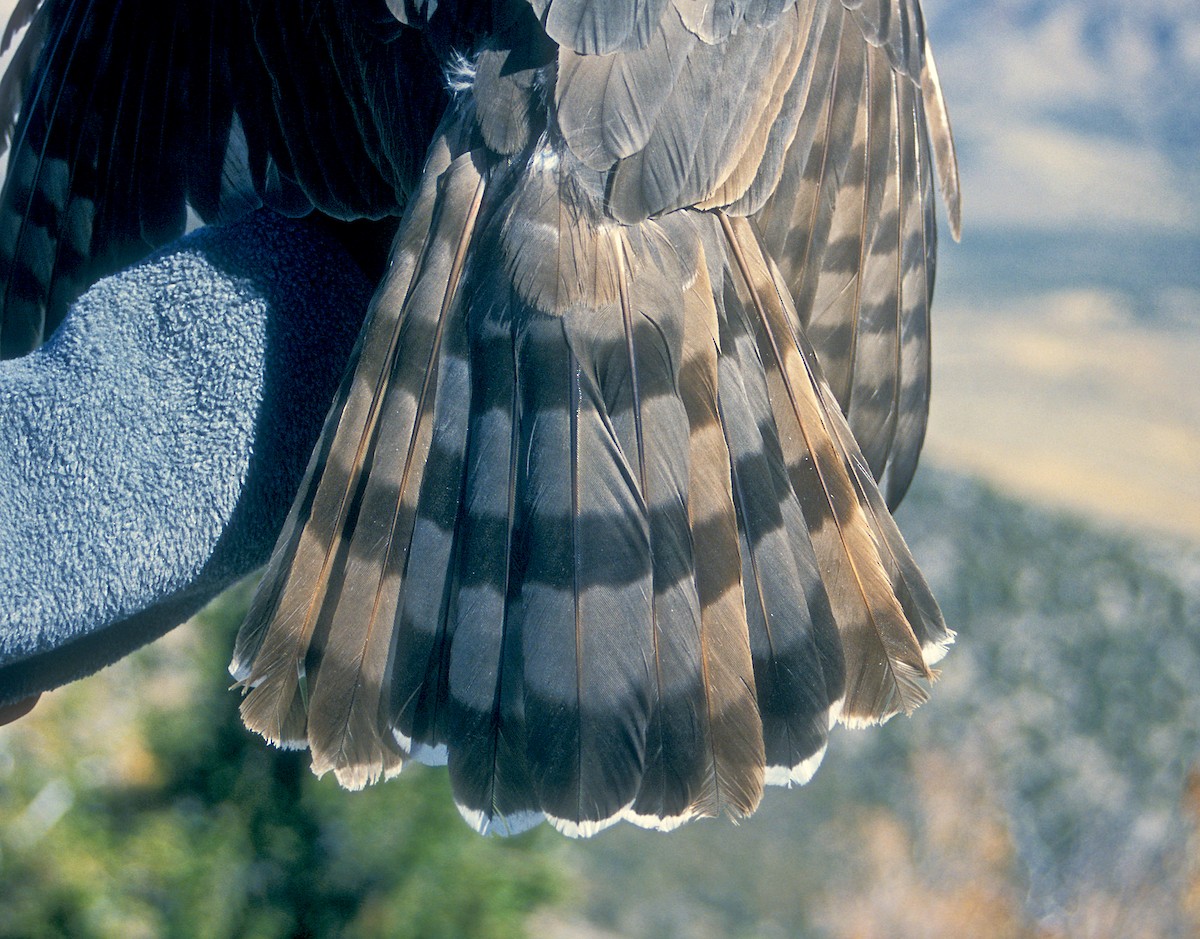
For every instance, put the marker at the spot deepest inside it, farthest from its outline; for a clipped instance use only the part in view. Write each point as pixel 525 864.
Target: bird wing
pixel 120 115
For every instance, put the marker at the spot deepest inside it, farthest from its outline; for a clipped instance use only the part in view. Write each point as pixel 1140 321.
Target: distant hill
pixel 1079 679
pixel 1042 788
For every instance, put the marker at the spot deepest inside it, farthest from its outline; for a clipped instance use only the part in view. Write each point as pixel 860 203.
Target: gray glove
pixel 150 450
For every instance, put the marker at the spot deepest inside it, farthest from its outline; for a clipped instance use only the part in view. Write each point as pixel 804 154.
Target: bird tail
pixel 584 522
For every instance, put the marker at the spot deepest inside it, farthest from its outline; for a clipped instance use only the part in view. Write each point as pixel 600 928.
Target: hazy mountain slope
pixel 1040 788
pixel 1079 678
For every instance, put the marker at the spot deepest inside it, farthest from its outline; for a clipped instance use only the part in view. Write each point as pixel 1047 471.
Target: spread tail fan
pixel 595 518
pixel 586 522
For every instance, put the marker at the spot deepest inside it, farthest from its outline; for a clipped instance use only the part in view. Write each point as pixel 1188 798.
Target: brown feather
pixel 735 728
pixel 883 658
pixel 273 645
pixel 345 731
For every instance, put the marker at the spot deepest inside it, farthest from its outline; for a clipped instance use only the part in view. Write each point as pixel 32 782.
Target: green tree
pixel 135 804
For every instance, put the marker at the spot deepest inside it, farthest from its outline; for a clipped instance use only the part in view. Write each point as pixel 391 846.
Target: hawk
pixel 600 515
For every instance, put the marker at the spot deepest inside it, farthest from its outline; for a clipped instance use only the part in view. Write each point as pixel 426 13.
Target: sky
pixel 1075 112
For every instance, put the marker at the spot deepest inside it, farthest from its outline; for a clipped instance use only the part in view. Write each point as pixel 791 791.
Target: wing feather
pixel 137 107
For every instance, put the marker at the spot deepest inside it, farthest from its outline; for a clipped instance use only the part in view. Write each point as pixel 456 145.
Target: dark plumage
pixel 596 515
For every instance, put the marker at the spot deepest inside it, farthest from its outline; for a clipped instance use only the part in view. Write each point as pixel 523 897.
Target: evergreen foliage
pixel 136 804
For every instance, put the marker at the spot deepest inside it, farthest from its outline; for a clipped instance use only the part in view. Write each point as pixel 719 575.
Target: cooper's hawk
pixel 600 515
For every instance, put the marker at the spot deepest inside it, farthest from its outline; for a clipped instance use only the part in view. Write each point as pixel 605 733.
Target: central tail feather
pixel 584 523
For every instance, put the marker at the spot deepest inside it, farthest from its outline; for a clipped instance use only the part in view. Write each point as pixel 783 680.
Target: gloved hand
pixel 150 450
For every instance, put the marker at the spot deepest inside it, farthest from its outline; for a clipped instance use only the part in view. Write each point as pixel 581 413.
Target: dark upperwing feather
pixel 130 112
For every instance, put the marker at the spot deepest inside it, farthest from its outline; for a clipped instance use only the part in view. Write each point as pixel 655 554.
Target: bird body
pixel 600 514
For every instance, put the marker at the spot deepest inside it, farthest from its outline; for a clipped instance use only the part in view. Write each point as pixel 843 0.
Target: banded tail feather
pixel 909 585
pixel 884 663
pixel 797 659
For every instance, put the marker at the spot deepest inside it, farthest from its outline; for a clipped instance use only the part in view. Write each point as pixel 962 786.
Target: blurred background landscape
pixel 1051 787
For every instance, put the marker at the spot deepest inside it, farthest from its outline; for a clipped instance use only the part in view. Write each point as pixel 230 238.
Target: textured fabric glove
pixel 150 450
